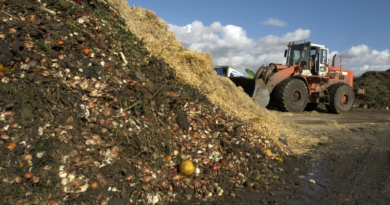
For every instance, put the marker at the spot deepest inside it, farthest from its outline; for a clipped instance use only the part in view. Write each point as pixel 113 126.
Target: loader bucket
pixel 261 94
pixel 254 88
pixel 248 84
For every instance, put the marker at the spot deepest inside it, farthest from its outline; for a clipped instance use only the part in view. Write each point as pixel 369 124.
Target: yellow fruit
pixel 279 159
pixel 267 152
pixel 4 69
pixel 186 168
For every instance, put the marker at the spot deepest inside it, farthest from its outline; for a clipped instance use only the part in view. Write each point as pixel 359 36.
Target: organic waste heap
pixel 87 114
pixel 196 69
pixel 377 89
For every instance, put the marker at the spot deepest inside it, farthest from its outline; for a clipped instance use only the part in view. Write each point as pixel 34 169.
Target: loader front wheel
pixel 291 95
pixel 341 98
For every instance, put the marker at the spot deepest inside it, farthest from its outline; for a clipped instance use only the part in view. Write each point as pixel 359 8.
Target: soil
pixel 349 165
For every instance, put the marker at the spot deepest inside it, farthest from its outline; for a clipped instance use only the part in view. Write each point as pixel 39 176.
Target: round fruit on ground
pixel 186 168
pixel 214 168
pixel 267 152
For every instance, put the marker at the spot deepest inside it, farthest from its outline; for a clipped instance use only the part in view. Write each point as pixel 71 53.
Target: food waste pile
pixel 377 89
pixel 88 116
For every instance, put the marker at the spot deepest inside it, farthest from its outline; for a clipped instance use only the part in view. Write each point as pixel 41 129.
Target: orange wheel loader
pixel 305 81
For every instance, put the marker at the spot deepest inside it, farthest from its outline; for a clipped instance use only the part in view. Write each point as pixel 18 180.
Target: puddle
pixel 298 187
pixel 307 180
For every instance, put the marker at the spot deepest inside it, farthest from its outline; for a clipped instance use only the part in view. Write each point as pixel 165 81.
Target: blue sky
pixel 246 34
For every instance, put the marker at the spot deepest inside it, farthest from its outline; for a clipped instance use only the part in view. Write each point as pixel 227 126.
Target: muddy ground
pixel 349 165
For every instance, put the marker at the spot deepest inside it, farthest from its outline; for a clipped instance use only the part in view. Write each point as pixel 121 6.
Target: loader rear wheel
pixel 341 98
pixel 291 95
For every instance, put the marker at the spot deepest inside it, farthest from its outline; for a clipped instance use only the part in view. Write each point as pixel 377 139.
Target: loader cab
pixel 313 58
pixel 319 59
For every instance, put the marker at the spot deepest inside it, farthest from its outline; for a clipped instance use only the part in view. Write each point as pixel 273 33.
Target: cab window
pixel 295 56
pixel 296 53
pixel 324 56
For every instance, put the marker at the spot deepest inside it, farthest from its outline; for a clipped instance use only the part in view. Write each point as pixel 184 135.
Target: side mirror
pixel 285 53
pixel 333 59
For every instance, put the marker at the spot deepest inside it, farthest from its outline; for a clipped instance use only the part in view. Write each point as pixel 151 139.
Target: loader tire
pixel 341 98
pixel 291 95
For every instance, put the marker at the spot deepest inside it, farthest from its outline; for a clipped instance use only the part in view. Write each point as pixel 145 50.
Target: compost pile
pixel 88 115
pixel 196 69
pixel 377 89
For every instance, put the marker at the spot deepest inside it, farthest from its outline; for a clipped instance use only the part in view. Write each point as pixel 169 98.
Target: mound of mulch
pixel 377 89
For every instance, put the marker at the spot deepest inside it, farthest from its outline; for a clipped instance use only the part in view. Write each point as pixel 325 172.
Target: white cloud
pixel 363 55
pixel 273 43
pixel 362 58
pixel 274 22
pixel 356 51
pixel 229 45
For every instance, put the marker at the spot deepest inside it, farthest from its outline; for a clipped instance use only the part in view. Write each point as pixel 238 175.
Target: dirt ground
pixel 349 165
pixel 353 155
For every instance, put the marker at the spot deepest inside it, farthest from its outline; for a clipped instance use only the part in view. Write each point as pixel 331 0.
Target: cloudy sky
pixel 246 34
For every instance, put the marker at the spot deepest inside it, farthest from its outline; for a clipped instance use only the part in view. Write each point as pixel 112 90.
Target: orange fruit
pixel 168 158
pixel 28 175
pixel 11 146
pixel 87 52
pixel 94 185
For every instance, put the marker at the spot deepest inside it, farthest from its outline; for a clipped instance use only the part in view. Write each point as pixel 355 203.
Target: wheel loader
pixel 305 81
